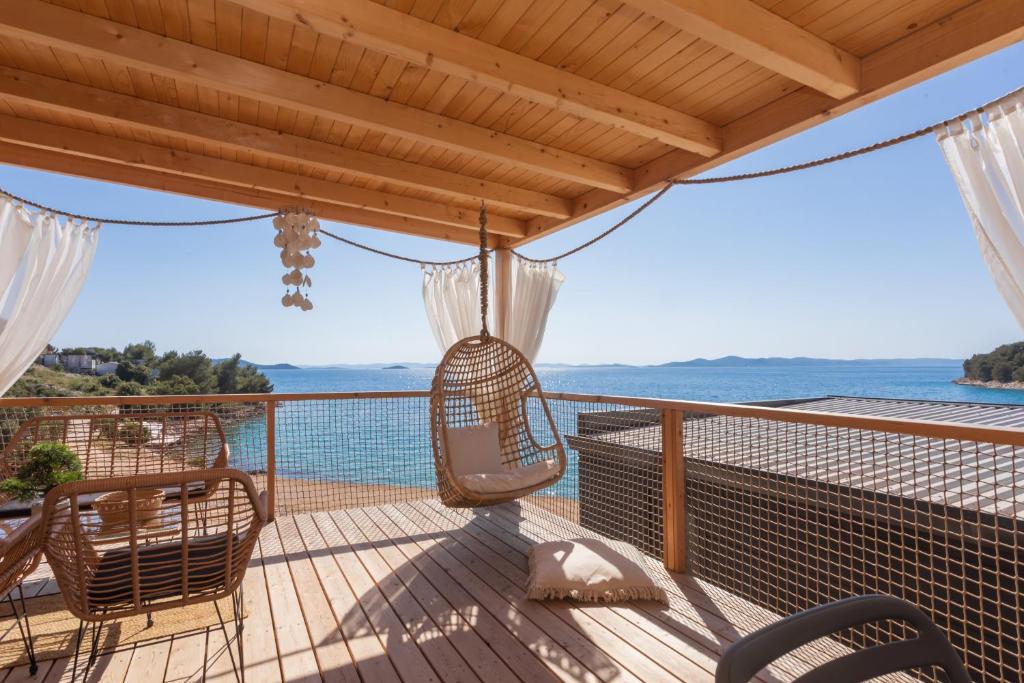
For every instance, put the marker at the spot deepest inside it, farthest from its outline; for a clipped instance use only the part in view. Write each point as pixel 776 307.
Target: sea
pixel 360 446
pixel 717 383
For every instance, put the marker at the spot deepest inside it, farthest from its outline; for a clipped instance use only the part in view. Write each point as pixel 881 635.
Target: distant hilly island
pixel 724 362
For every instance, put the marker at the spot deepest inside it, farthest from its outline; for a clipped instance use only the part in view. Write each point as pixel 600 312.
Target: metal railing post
pixel 673 489
pixel 271 456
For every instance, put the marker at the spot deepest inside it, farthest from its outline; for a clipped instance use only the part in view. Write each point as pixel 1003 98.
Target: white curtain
pixel 451 295
pixel 534 289
pixel 986 155
pixel 43 265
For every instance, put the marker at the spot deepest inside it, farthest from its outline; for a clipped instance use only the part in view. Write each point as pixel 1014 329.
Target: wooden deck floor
pixel 416 592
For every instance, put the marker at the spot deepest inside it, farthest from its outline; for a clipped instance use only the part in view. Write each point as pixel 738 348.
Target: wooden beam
pixel 379 28
pixel 39 22
pixel 163 159
pixel 967 34
pixel 502 291
pixel 97 169
pixel 115 108
pixel 673 489
pixel 754 33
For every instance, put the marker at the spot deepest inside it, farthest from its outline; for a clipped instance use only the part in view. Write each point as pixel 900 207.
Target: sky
pixel 869 258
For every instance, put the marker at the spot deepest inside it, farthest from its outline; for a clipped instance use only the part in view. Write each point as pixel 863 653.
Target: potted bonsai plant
pixel 49 464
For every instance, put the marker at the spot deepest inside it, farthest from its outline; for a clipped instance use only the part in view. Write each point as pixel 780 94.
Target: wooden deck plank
pixel 556 643
pixel 332 655
pixel 464 545
pixel 363 642
pixel 459 632
pixel 220 663
pixel 258 637
pixel 399 644
pixel 186 663
pixel 293 644
pixel 149 663
pixel 671 662
pixel 693 603
pixel 505 642
pixel 413 591
pixel 431 640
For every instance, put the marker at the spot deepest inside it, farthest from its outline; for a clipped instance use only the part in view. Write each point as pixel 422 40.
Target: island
pixel 1001 368
pixel 395 367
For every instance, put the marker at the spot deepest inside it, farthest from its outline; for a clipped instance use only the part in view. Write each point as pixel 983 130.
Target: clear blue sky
pixel 873 257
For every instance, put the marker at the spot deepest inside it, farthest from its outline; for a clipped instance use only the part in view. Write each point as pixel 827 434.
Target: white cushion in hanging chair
pixel 510 480
pixel 475 450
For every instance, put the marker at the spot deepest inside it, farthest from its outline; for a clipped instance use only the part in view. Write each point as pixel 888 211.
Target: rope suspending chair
pixel 485 451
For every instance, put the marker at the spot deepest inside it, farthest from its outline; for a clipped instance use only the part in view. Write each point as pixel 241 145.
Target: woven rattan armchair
pixel 20 553
pixel 123 444
pixel 184 551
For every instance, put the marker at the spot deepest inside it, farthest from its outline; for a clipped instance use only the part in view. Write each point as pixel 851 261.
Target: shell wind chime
pixel 297 237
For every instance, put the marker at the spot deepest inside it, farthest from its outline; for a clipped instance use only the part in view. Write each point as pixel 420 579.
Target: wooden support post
pixel 271 455
pixel 502 291
pixel 673 489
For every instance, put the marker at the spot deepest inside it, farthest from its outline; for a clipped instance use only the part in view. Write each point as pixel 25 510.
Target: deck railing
pixel 786 508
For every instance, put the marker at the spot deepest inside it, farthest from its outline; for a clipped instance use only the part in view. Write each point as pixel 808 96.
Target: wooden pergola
pixel 403 115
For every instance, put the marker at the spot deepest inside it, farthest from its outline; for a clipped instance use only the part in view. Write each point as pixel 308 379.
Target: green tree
pixel 129 389
pixel 1003 371
pixel 177 385
pixel 227 374
pixel 252 381
pixel 129 372
pixel 194 365
pixel 144 352
pixel 235 378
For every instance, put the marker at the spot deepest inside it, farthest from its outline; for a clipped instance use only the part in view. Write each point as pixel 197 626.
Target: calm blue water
pixel 390 444
pixel 693 383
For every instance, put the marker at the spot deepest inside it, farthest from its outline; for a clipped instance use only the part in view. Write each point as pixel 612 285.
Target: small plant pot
pixel 113 507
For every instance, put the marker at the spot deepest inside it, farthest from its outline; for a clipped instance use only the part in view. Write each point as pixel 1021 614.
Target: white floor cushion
pixel 590 571
pixel 510 480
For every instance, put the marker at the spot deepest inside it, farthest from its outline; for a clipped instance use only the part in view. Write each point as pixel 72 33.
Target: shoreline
pixel 991 384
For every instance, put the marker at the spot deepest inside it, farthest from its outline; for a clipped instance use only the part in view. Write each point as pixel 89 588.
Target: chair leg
pixel 25 630
pixel 236 619
pixel 97 631
pixel 239 609
pixel 78 648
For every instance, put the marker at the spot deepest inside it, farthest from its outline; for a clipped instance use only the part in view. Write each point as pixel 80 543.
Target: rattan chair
pixel 185 551
pixel 19 557
pixel 122 444
pixel 483 380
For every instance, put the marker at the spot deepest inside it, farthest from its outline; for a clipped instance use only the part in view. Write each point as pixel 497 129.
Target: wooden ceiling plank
pixel 95 169
pixel 116 108
pixel 390 32
pixel 113 42
pixel 756 34
pixel 136 154
pixel 967 34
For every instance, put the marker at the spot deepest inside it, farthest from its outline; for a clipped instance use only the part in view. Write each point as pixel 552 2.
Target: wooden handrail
pixel 924 428
pixel 70 401
pixel 930 429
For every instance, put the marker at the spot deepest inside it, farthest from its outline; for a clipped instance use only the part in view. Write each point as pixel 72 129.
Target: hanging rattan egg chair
pixel 483 399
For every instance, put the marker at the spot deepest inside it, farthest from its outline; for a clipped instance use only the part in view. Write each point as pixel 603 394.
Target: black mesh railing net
pixel 613 480
pixel 334 454
pixel 790 516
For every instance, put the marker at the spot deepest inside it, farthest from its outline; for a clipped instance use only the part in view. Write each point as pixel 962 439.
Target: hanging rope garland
pixel 297 263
